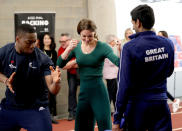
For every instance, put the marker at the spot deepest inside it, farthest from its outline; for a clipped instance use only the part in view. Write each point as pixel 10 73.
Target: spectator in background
pixel 163 33
pixel 110 70
pixel 64 40
pixel 118 45
pixel 176 102
pixel 48 45
pixel 127 33
pixel 72 76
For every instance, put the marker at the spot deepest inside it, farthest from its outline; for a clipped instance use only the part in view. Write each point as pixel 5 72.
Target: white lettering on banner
pixel 154 54
pixel 35 17
pixel 36 22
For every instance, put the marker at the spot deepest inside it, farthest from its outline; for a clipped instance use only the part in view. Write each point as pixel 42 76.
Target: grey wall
pixel 103 12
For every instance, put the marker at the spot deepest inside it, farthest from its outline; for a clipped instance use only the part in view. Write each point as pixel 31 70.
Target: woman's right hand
pixel 73 43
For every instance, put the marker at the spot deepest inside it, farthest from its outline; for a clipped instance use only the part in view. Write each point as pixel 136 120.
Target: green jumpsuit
pixel 93 100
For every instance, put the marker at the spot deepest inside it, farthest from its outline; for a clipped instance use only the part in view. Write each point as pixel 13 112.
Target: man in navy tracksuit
pixel 147 60
pixel 27 73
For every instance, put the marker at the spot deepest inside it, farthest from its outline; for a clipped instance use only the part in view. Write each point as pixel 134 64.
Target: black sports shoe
pixel 71 117
pixel 54 121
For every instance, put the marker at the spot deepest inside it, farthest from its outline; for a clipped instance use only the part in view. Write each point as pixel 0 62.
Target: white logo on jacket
pixel 30 65
pixel 12 66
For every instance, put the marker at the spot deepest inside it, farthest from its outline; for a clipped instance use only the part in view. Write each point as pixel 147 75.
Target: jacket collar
pixel 142 34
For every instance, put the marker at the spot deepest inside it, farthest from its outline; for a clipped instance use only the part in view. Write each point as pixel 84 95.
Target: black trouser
pixel 52 104
pixel 112 90
pixel 72 99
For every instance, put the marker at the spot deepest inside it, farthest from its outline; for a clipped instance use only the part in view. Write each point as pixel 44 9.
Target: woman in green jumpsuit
pixel 93 101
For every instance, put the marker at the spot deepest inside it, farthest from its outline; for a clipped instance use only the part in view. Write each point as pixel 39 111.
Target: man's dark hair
pixel 25 28
pixel 145 15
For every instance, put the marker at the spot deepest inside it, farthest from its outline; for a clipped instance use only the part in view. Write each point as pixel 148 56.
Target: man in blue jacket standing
pixel 147 60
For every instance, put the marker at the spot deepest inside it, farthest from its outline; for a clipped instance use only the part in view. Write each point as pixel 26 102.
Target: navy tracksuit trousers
pixel 30 119
pixel 151 115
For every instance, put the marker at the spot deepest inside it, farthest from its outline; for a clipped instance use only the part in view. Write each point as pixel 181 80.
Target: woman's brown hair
pixel 86 24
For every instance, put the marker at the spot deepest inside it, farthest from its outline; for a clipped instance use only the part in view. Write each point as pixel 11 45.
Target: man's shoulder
pixel 131 43
pixel 7 48
pixel 164 39
pixel 60 50
pixel 9 45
